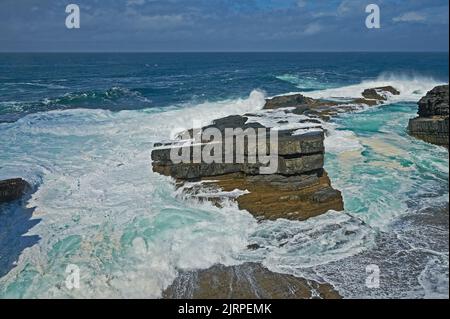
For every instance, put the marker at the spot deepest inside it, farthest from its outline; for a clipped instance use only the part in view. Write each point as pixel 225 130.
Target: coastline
pixel 120 211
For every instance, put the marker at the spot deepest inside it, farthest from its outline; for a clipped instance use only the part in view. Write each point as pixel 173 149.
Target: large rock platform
pixel 299 189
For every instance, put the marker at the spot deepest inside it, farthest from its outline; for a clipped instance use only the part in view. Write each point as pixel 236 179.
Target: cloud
pixel 410 17
pixel 159 22
pixel 301 3
pixel 166 25
pixel 135 2
pixel 313 28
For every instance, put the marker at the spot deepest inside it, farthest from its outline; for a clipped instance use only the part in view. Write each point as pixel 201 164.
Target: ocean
pixel 80 128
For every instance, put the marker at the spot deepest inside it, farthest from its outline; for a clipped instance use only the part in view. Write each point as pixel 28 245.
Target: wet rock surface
pixel 298 189
pixel 276 196
pixel 432 124
pixel 12 189
pixel 246 281
pixel 294 100
pixel 325 109
pixel 379 93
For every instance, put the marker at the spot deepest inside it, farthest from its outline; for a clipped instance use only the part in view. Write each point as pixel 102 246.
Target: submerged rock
pixel 246 281
pixel 432 124
pixel 12 189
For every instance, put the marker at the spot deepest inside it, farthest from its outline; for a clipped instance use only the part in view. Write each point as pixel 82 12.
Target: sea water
pixel 80 128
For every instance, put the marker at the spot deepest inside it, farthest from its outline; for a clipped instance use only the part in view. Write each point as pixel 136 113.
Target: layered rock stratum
pixel 299 189
pixel 432 124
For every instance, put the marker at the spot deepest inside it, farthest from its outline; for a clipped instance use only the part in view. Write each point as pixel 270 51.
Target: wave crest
pixel 411 87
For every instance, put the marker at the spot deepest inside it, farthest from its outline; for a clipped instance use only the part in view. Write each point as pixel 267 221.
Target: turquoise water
pixel 386 165
pixel 85 144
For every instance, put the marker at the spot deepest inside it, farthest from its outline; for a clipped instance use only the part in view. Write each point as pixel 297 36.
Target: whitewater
pixel 98 205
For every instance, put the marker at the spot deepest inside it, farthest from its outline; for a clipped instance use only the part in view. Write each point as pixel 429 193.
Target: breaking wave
pixel 103 209
pixel 411 88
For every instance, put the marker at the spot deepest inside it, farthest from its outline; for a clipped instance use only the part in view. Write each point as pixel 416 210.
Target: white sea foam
pixel 128 230
pixel 411 88
pixel 100 202
pixel 340 141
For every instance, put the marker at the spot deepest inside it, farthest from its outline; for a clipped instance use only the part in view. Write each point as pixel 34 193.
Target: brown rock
pixel 299 189
pixel 379 93
pixel 276 196
pixel 294 100
pixel 246 281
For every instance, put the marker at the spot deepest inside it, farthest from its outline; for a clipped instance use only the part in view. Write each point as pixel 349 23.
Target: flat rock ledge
pixel 246 281
pixel 12 189
pixel 299 189
pixel 432 124
pixel 324 109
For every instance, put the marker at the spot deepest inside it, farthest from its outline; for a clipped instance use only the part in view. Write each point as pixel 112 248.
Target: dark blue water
pixel 40 82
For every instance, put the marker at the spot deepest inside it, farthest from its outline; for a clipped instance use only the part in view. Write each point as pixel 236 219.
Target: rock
pixel 253 247
pixel 294 100
pixel 12 189
pixel 301 105
pixel 435 103
pixel 433 130
pixel 270 197
pixel 365 101
pixel 246 281
pixel 299 189
pixel 432 124
pixel 297 154
pixel 379 93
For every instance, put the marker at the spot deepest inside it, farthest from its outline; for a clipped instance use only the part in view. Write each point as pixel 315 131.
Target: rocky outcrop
pixel 294 100
pixel 325 109
pixel 379 93
pixel 298 189
pixel 432 124
pixel 296 197
pixel 12 189
pixel 247 281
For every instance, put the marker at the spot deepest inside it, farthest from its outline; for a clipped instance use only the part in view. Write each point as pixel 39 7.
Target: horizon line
pixel 231 51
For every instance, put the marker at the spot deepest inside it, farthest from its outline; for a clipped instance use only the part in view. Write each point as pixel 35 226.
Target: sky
pixel 223 25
